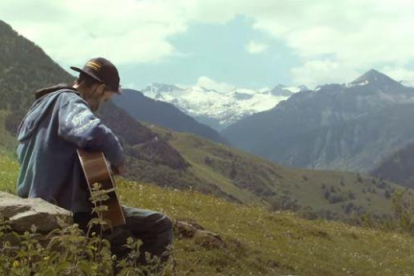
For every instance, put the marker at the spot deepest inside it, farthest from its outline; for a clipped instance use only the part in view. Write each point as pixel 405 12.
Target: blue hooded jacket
pixel 55 126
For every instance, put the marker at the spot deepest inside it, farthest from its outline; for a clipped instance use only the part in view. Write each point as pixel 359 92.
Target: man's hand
pixel 120 170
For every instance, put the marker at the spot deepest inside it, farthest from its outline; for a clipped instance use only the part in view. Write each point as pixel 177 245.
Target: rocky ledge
pixel 25 212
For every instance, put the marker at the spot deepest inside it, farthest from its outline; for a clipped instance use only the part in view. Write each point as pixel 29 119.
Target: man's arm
pixel 78 125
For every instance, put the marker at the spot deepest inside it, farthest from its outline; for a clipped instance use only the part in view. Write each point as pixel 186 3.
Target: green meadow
pixel 257 241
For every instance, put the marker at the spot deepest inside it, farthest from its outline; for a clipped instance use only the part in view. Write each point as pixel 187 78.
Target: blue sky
pixel 218 51
pixel 238 43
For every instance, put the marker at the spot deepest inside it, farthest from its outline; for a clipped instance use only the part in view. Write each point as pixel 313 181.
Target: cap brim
pixel 119 91
pixel 82 71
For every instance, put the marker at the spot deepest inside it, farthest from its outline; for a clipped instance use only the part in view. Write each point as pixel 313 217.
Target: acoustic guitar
pixel 97 170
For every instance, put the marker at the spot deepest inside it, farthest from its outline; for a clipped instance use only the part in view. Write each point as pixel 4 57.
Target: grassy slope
pixel 7 141
pixel 257 181
pixel 281 187
pixel 259 242
pixel 8 173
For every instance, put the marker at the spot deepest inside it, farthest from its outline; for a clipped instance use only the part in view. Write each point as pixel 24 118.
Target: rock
pixel 186 229
pixel 190 229
pixel 25 212
pixel 208 239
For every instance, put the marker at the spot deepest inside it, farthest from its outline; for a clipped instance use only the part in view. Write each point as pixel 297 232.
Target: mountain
pixel 24 68
pixel 345 127
pixel 398 167
pixel 244 178
pixel 219 107
pixel 185 161
pixel 283 91
pixel 377 79
pixel 163 114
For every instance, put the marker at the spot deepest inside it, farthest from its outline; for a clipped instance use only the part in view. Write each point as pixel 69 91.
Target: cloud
pixel 211 84
pixel 401 74
pixel 125 31
pixel 255 47
pixel 318 72
pixel 356 35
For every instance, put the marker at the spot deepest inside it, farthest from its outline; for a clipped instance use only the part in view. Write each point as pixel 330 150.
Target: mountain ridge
pixel 164 114
pixel 184 161
pixel 24 68
pixel 219 108
pixel 376 77
pixel 397 167
pixel 317 114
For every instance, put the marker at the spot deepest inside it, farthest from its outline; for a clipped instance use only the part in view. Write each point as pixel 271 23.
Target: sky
pixel 235 43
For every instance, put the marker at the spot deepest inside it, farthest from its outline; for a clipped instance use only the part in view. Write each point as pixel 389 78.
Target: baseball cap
pixel 103 71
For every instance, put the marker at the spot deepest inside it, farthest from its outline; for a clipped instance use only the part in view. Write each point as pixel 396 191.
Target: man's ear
pixel 100 89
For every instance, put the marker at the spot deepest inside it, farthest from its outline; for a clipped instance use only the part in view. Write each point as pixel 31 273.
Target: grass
pixel 279 242
pixel 259 242
pixel 8 143
pixel 8 164
pixel 261 182
pixel 253 180
pixel 8 173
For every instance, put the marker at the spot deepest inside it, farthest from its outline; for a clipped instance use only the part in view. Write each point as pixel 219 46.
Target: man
pixel 62 120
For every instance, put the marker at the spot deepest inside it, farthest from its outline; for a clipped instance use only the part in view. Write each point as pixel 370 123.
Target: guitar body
pixel 96 170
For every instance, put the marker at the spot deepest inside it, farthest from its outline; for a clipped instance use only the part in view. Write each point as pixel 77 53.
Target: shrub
pixel 69 252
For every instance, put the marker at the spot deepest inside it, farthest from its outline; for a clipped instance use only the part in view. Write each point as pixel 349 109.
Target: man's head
pixel 98 81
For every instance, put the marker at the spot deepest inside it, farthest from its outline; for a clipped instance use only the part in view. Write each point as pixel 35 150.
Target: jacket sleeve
pixel 78 125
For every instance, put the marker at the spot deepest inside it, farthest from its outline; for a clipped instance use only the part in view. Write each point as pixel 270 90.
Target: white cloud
pixel 356 35
pixel 318 72
pixel 255 47
pixel 125 31
pixel 211 84
pixel 401 74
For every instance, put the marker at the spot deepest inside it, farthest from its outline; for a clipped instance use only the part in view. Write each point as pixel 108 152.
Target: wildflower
pixel 15 263
pixel 33 228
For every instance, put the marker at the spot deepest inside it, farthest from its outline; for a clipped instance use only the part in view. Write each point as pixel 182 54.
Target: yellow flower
pixel 15 264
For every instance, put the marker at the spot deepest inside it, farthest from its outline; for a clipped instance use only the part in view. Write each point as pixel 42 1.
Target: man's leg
pixel 153 228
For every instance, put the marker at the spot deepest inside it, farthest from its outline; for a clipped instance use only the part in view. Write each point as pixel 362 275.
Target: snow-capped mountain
pixel 350 126
pixel 219 107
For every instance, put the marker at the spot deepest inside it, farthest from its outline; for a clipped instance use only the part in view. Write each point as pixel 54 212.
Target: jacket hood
pixel 38 111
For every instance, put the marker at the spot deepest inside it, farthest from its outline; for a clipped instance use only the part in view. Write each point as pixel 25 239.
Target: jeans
pixel 154 229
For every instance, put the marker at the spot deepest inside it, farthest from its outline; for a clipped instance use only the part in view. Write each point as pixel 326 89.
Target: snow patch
pixel 352 84
pixel 217 100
